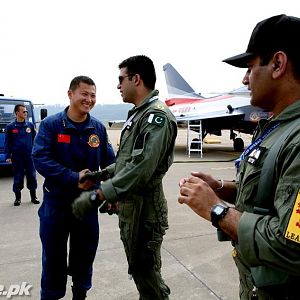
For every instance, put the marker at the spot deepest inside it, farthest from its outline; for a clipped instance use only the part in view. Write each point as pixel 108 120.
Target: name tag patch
pixel 293 228
pixel 255 155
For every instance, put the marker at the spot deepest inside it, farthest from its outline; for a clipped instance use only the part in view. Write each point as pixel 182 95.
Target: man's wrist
pixel 94 198
pixel 217 213
pixel 221 185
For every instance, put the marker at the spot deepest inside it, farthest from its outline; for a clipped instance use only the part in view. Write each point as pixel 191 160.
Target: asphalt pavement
pixel 195 265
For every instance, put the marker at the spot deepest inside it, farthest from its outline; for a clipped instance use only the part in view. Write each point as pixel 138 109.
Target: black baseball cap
pixel 278 33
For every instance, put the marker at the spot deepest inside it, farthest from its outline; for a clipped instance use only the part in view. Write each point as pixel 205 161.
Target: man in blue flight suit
pixel 68 145
pixel 19 136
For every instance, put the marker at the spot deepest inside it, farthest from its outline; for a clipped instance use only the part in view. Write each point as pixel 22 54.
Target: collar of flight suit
pixel 67 124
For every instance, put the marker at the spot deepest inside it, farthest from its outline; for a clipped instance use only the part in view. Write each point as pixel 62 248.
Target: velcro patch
pixel 293 228
pixel 157 119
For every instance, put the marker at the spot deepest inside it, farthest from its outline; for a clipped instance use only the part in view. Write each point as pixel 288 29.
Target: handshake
pixel 95 177
pixel 89 200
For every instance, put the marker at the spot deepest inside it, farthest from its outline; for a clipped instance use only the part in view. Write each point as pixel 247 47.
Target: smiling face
pixel 82 100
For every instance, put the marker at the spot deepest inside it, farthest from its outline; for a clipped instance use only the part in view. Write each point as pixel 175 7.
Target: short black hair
pixel 78 79
pixel 292 56
pixel 142 65
pixel 16 109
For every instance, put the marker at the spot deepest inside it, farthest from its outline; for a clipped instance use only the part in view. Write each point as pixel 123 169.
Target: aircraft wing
pixel 187 105
pixel 231 110
pixel 210 115
pixel 215 107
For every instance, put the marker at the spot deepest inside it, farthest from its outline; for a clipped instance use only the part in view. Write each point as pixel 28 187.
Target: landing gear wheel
pixel 238 145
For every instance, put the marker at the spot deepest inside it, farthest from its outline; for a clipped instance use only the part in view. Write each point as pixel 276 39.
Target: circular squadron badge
pixel 94 141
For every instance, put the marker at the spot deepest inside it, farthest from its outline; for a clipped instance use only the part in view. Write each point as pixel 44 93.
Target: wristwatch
pixel 217 213
pixel 94 198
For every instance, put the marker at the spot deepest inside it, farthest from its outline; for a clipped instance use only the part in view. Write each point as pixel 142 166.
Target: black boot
pixel 33 197
pixel 78 294
pixel 18 199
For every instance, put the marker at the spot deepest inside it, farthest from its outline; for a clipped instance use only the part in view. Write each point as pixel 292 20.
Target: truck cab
pixel 7 115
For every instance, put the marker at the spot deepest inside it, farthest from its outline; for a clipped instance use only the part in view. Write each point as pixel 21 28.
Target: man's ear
pixel 276 66
pixel 279 63
pixel 137 79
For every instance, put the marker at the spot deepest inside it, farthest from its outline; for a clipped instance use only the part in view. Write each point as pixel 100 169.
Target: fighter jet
pixel 231 111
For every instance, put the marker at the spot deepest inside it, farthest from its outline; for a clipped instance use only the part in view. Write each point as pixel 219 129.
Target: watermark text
pixel 15 290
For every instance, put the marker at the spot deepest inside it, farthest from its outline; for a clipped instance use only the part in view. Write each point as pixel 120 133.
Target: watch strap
pixel 217 215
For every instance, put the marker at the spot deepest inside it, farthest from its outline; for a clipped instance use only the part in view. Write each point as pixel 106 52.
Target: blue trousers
pixel 23 166
pixel 57 226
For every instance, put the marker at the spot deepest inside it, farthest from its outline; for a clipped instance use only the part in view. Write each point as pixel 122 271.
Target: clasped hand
pixel 197 191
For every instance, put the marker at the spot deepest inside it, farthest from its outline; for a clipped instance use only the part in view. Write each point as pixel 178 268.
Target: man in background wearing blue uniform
pixel 68 145
pixel 19 136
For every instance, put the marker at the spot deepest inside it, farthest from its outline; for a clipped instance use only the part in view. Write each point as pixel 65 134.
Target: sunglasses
pixel 121 78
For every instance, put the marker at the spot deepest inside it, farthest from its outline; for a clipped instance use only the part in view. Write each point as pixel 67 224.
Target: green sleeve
pixel 263 239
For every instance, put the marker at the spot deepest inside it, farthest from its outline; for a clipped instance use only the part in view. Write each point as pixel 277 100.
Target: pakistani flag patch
pixel 157 119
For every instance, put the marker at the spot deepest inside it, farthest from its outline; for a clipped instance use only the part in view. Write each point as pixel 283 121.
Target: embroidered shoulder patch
pixel 160 106
pixel 157 119
pixel 292 231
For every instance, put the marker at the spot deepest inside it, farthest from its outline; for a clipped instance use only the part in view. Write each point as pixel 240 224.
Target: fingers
pixel 191 179
pixel 181 200
pixel 182 182
pixel 197 174
pixel 82 172
pixel 81 175
pixel 86 185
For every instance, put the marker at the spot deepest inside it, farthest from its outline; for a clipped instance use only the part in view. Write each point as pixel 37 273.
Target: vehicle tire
pixel 238 145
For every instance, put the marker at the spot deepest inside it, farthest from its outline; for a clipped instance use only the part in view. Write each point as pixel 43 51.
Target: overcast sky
pixel 45 43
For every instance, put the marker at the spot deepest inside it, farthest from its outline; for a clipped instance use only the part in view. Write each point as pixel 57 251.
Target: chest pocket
pixel 139 145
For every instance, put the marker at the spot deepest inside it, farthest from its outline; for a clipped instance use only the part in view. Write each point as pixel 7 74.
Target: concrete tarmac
pixel 195 265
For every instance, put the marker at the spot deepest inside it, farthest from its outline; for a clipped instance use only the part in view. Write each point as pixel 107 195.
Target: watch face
pixel 93 196
pixel 218 210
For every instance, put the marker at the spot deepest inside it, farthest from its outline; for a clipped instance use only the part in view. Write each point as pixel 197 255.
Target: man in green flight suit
pixel 264 224
pixel 134 182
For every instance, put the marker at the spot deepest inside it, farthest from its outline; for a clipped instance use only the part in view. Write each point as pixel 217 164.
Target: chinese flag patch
pixel 15 131
pixel 63 138
pixel 293 228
